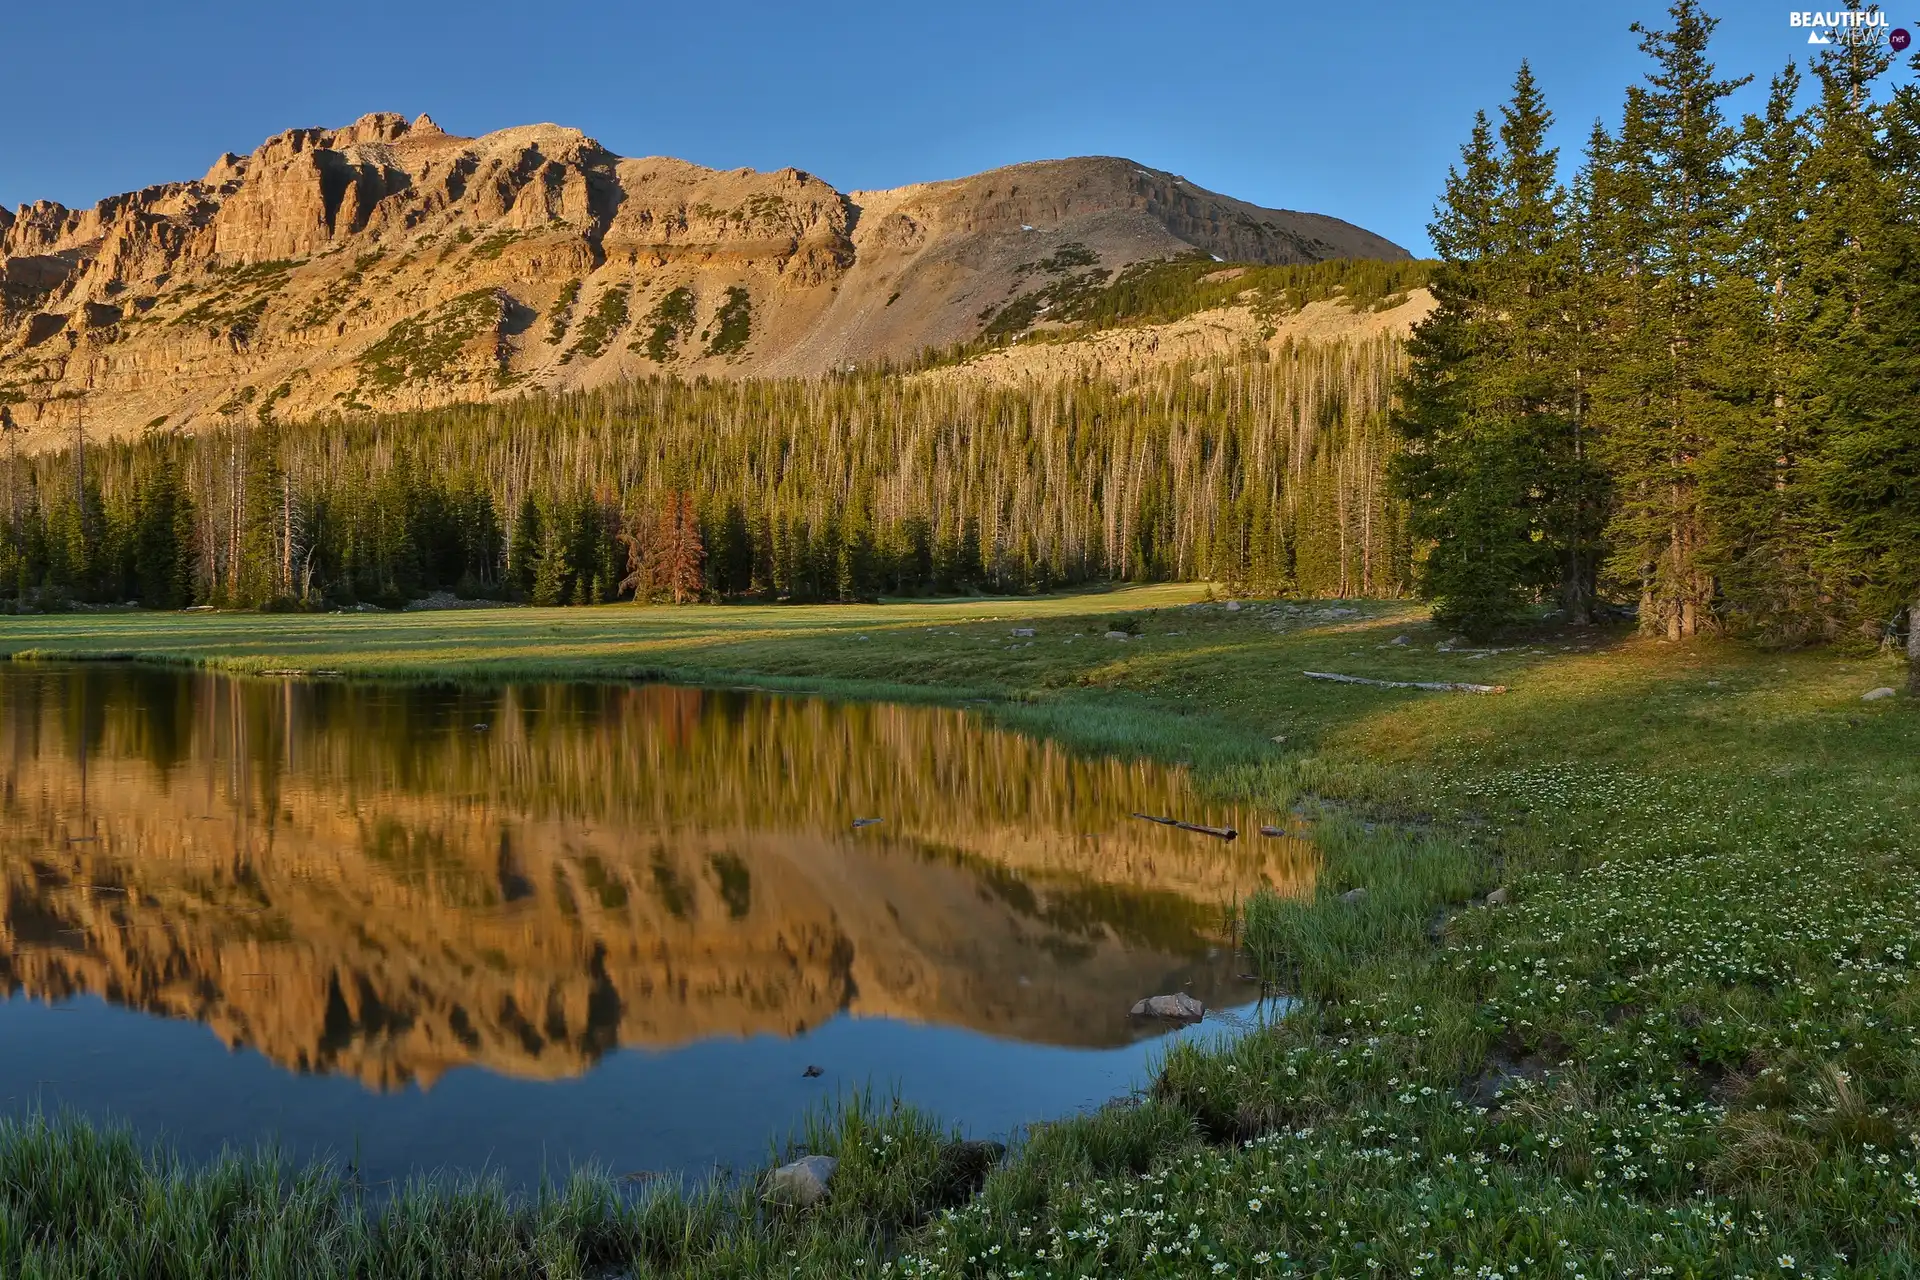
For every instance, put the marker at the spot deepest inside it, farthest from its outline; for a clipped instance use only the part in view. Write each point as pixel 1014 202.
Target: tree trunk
pixel 1913 649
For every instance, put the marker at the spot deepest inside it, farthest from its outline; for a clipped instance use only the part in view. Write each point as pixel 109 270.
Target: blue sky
pixel 1353 110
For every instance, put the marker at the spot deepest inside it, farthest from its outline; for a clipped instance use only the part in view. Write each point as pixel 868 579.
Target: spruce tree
pixel 1465 496
pixel 163 538
pixel 550 570
pixel 1494 464
pixel 683 551
pixel 1531 388
pixel 1666 402
pixel 1585 492
pixel 1762 511
pixel 523 549
pixel 1869 471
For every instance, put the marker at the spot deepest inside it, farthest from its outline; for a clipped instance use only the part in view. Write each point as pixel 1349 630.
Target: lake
pixel 536 926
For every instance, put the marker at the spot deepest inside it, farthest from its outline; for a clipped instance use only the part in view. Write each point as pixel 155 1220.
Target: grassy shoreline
pixel 1685 1044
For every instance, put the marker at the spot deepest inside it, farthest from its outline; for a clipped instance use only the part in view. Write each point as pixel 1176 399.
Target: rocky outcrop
pixel 279 275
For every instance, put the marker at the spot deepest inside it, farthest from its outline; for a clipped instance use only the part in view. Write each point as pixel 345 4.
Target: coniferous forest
pixel 1263 472
pixel 1684 376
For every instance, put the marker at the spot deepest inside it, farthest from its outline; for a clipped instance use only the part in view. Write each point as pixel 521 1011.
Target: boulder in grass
pixel 1179 1007
pixel 1023 631
pixel 803 1183
pixel 1354 896
pixel 1118 635
pixel 1875 695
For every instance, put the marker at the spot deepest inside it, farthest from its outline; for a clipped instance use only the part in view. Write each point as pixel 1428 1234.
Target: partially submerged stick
pixel 1437 686
pixel 1219 833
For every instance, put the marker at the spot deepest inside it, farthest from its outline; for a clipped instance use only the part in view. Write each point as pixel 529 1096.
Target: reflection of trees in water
pixel 597 865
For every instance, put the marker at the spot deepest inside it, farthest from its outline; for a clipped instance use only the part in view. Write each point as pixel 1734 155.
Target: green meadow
pixel 1629 989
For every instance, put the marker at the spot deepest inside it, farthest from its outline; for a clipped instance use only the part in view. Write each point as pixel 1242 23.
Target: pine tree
pixel 1461 501
pixel 1492 466
pixel 163 538
pixel 550 570
pixel 1667 401
pixel 1531 389
pixel 1579 519
pixel 682 551
pixel 1762 513
pixel 639 580
pixel 523 548
pixel 1869 472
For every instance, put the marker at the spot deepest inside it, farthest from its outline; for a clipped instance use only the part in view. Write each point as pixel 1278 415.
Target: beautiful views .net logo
pixel 1850 26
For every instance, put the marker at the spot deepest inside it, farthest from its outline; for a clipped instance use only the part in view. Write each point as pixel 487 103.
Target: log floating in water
pixel 1219 833
pixel 1437 686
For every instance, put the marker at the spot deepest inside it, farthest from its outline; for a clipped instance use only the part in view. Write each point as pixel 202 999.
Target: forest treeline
pixel 1266 471
pixel 1687 376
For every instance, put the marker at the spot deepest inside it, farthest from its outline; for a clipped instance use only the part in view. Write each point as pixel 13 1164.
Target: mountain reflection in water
pixel 390 882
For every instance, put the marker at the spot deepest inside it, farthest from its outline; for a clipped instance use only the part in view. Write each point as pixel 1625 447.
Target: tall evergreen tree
pixel 1533 389
pixel 1495 466
pixel 523 547
pixel 1580 516
pixel 1455 472
pixel 1763 513
pixel 1869 473
pixel 163 537
pixel 551 575
pixel 1666 401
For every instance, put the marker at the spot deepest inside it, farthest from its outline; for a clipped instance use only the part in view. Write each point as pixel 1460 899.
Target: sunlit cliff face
pixel 388 883
pixel 391 265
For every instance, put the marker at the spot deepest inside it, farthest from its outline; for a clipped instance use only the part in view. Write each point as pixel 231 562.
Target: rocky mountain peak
pixel 390 264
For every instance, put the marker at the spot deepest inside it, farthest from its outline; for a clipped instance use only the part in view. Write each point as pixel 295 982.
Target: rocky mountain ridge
pixel 390 264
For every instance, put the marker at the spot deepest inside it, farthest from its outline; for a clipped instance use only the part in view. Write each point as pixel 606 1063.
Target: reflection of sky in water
pixel 594 922
pixel 720 1101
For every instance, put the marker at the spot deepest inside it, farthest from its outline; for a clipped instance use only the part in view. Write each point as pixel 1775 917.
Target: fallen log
pixel 1219 833
pixel 1436 686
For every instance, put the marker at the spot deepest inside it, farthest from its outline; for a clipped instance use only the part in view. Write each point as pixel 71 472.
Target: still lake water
pixel 545 925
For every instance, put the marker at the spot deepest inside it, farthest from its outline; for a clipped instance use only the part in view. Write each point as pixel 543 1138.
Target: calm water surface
pixel 551 924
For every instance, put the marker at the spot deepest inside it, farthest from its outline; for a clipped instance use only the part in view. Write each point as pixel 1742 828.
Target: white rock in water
pixel 1118 635
pixel 1877 694
pixel 802 1183
pixel 1179 1007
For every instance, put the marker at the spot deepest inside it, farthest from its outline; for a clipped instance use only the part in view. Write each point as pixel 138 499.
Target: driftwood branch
pixel 1437 686
pixel 1220 833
